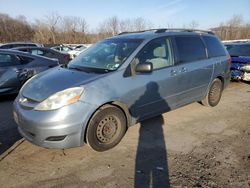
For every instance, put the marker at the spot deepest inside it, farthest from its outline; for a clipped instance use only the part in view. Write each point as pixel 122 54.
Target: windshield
pixel 106 55
pixel 238 50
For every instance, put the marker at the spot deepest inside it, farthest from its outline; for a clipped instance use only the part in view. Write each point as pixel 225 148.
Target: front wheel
pixel 106 128
pixel 214 93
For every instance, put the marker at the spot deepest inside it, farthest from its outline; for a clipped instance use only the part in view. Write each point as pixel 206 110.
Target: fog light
pixel 56 138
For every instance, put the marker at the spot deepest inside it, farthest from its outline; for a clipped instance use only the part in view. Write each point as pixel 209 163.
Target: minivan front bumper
pixel 62 128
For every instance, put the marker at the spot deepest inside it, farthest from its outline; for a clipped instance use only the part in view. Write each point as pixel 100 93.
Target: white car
pixel 67 49
pixel 80 49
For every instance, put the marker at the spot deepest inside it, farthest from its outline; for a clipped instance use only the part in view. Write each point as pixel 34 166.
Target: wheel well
pixel 222 80
pixel 116 104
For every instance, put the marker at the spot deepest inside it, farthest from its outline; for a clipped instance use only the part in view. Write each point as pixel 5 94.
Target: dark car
pixel 240 54
pixel 17 67
pixel 19 44
pixel 63 58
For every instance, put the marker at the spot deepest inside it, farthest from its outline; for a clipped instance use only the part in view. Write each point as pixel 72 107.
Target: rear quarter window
pixel 190 48
pixel 214 46
pixel 24 59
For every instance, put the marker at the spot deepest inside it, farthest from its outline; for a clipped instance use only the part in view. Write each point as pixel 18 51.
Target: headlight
pixel 60 99
pixel 245 68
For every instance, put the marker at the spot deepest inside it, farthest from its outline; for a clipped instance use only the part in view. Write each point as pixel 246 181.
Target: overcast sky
pixel 207 13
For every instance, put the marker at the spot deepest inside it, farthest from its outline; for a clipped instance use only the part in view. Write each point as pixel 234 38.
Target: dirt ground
pixel 194 146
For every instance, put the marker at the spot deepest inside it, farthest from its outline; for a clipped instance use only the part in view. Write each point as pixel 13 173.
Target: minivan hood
pixel 54 80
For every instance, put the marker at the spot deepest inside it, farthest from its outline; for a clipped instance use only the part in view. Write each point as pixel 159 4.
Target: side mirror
pixel 144 67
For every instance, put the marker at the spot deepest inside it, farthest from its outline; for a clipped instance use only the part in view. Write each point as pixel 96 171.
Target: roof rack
pixel 163 30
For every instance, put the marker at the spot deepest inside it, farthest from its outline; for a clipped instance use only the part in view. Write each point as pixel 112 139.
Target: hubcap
pixel 215 93
pixel 107 129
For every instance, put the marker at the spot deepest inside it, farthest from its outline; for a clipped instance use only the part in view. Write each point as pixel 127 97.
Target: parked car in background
pixel 79 46
pixel 19 44
pixel 62 57
pixel 79 50
pixel 118 82
pixel 240 54
pixel 17 67
pixel 66 49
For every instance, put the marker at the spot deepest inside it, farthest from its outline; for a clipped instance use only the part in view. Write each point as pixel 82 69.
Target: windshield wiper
pixel 91 69
pixel 80 69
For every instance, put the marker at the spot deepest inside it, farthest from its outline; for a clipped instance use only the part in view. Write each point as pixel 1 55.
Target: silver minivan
pixel 118 82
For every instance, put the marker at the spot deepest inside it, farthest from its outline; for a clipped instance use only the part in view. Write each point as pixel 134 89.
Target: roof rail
pixel 162 30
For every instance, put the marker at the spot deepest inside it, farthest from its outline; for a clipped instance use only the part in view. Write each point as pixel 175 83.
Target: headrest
pixel 160 52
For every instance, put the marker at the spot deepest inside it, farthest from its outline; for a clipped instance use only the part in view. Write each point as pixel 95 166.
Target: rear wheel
pixel 106 128
pixel 214 93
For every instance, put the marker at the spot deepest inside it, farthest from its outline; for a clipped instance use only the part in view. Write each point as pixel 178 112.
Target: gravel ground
pixel 194 146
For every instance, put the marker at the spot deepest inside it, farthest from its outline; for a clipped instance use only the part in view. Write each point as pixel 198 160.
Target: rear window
pixel 22 44
pixel 215 48
pixel 190 48
pixel 239 50
pixel 37 52
pixel 7 46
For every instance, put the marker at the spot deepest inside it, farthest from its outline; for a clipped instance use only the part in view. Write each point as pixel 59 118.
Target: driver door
pixel 156 92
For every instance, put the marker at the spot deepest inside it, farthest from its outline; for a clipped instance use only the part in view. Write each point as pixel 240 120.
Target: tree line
pixel 56 29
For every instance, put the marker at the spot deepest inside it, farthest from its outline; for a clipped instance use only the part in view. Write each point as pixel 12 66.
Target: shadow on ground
pixel 151 168
pixel 8 128
pixel 151 165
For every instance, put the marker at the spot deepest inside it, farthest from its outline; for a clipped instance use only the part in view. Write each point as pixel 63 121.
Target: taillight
pixel 229 59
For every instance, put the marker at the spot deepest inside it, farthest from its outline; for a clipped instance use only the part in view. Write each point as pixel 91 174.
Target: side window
pixel 24 50
pixel 157 52
pixel 18 45
pixel 7 60
pixel 28 44
pixel 37 52
pixel 215 48
pixel 7 46
pixel 48 54
pixel 24 59
pixel 190 48
pixel 65 48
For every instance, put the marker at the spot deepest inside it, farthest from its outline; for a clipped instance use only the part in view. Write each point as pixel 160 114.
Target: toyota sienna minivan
pixel 118 82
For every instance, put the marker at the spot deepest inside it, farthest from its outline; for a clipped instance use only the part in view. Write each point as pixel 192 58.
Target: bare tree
pixel 42 32
pixel 141 24
pixel 14 29
pixel 234 28
pixel 71 29
pixel 53 20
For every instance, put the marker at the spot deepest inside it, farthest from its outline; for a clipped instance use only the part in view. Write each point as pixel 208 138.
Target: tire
pixel 106 128
pixel 214 93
